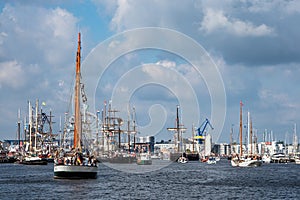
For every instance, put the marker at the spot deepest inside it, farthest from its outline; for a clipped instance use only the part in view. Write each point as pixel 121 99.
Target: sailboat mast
pixel 231 135
pixel 178 129
pixel 60 132
pixel 193 137
pixel 241 129
pixel 251 137
pixel 295 139
pixel 30 124
pixel 19 126
pixel 77 125
pixel 248 133
pixel 134 126
pixel 36 124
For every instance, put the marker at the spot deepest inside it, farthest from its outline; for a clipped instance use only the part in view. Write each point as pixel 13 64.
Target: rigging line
pixel 71 93
pixel 69 104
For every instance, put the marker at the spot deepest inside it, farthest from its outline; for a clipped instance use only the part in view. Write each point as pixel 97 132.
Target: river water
pixel 193 180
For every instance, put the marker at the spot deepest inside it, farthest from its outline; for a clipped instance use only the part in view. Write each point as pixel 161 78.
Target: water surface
pixel 193 180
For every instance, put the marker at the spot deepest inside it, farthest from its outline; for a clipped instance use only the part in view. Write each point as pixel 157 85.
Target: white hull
pixel 266 159
pixel 75 171
pixel 245 163
pixel 211 161
pixel 234 163
pixel 35 160
pixel 182 160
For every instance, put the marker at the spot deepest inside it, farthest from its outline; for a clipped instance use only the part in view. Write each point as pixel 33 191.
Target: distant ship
pixel 77 162
pixel 144 155
pixel 241 160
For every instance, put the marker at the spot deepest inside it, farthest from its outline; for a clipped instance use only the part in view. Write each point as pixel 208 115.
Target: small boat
pixel 5 158
pixel 211 160
pixel 280 158
pixel 204 159
pixel 182 160
pixel 266 158
pixel 245 162
pixel 77 162
pixel 144 159
pixel 296 158
pixel 33 160
pixel 143 156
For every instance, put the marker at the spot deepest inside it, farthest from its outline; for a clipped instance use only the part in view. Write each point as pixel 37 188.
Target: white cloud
pixel 37 48
pixel 215 20
pixel 35 34
pixel 166 63
pixel 122 10
pixel 286 7
pixel 61 22
pixel 12 74
pixel 113 44
pixel 128 14
pixel 156 72
pixel 292 6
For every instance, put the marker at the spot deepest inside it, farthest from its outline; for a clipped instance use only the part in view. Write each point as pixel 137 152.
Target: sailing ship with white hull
pixel 78 162
pixel 241 160
pixel 37 147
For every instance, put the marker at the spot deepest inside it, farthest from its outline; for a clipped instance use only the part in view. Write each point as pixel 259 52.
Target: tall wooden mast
pixel 241 129
pixel 179 128
pixel 77 125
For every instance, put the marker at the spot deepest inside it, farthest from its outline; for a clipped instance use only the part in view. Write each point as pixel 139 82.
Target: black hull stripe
pixel 75 175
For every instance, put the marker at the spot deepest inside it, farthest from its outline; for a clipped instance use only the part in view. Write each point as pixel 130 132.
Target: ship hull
pixel 37 162
pixel 245 163
pixel 144 162
pixel 75 172
pixel 33 161
pixel 193 156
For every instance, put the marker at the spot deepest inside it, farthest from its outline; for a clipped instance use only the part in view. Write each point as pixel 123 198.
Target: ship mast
pixel 251 137
pixel 19 127
pixel 30 125
pixel 178 129
pixel 77 125
pixel 241 130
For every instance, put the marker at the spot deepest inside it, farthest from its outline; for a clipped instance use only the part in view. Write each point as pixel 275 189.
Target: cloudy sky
pixel 255 46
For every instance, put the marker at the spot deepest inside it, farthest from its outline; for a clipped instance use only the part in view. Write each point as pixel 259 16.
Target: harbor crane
pixel 200 131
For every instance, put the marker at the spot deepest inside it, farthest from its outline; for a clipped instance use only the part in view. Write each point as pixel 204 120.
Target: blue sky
pixel 254 44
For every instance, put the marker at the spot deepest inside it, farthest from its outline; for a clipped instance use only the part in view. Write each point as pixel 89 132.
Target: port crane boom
pixel 200 131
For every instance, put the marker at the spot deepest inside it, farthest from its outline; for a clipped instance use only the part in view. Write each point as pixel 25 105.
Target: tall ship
pixel 38 144
pixel 77 162
pixel 178 154
pixel 117 145
pixel 244 160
